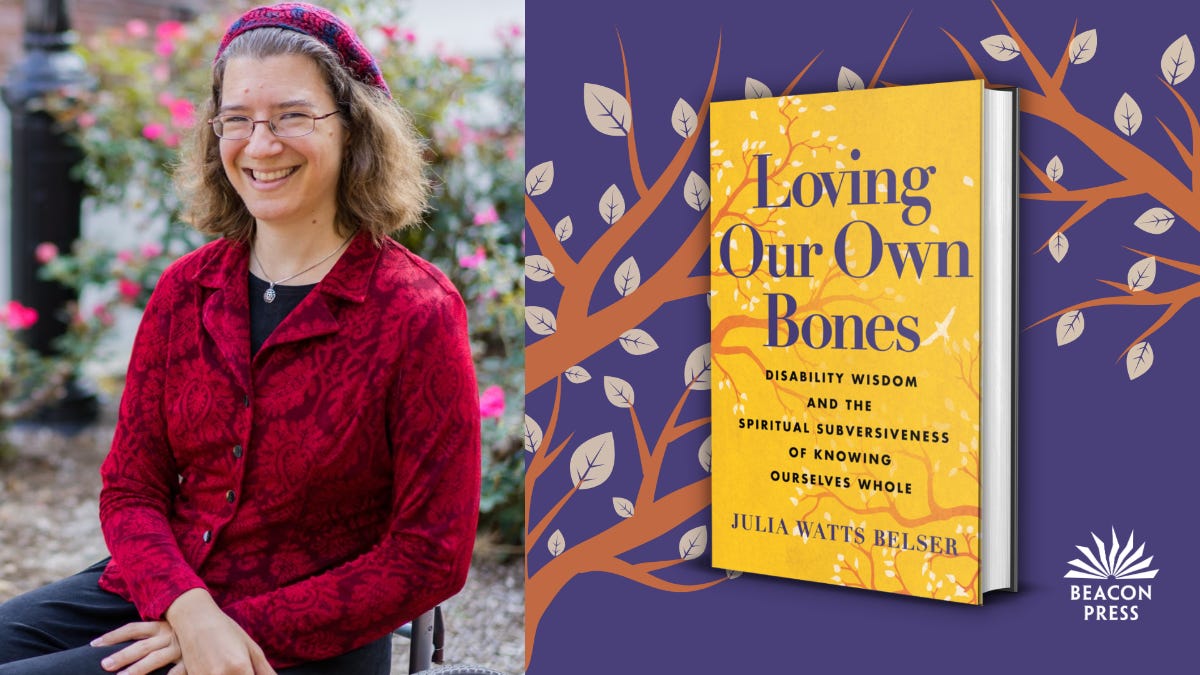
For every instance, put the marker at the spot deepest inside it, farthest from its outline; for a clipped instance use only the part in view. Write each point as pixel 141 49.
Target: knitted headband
pixel 316 22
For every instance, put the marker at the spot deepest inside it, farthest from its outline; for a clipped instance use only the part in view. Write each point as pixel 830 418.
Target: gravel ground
pixel 49 529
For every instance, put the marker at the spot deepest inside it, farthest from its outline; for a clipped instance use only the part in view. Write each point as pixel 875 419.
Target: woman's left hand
pixel 154 646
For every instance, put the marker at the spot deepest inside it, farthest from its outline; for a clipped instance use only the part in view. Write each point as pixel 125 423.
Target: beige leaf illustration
pixel 623 507
pixel 705 455
pixel 538 268
pixel 1054 169
pixel 607 110
pixel 683 118
pixel 695 192
pixel 618 391
pixel 1083 47
pixel 1059 246
pixel 693 543
pixel 627 277
pixel 637 342
pixel 540 320
pixel 697 370
pixel 1141 274
pixel 557 543
pixel 533 435
pixel 1178 61
pixel 592 462
pixel 1155 221
pixel 1139 360
pixel 1127 115
pixel 612 204
pixel 1070 327
pixel 848 80
pixel 577 375
pixel 539 179
pixel 756 89
pixel 564 229
pixel 1001 47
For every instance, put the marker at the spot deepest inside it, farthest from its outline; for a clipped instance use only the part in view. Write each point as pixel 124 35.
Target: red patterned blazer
pixel 324 492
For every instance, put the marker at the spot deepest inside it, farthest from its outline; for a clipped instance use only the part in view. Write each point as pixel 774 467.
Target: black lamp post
pixel 45 198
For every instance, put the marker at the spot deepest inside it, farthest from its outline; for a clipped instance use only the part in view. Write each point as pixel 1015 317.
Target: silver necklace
pixel 269 294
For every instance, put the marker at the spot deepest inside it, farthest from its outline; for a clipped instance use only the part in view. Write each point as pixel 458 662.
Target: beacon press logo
pixel 1114 579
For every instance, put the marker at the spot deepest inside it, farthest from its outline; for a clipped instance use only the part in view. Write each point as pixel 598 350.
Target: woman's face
pixel 284 182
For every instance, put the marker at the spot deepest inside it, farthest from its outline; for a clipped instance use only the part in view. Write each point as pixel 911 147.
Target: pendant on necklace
pixel 269 295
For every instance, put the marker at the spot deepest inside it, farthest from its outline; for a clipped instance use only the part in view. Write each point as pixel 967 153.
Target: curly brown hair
pixel 382 186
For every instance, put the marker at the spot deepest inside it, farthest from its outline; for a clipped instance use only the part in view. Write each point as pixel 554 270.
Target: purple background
pixel 1096 449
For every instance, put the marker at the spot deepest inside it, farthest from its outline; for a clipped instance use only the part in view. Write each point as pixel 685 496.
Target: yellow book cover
pixel 846 311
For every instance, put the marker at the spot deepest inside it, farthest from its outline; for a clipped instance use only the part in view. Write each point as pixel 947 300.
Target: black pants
pixel 47 632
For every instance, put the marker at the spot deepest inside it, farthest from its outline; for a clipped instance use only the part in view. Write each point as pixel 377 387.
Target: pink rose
pixel 86 120
pixel 103 315
pixel 164 48
pixel 125 256
pixel 129 290
pixel 45 252
pixel 151 249
pixel 137 28
pixel 153 131
pixel 16 316
pixel 410 37
pixel 491 402
pixel 487 216
pixel 170 31
pixel 508 33
pixel 161 72
pixel 459 62
pixel 474 260
pixel 182 113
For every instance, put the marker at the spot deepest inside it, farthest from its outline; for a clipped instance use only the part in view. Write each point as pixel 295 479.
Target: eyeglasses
pixel 283 125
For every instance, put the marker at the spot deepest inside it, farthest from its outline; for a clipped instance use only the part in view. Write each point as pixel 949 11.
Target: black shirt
pixel 266 316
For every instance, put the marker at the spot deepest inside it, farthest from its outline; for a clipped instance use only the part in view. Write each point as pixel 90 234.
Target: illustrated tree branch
pixel 581 334
pixel 635 166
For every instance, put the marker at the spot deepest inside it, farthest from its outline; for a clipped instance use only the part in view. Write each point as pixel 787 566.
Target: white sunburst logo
pixel 1112 561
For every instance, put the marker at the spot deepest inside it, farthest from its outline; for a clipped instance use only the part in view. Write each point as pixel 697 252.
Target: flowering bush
pixel 27 380
pixel 129 127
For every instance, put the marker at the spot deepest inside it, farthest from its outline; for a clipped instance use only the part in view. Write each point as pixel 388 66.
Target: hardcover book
pixel 862 271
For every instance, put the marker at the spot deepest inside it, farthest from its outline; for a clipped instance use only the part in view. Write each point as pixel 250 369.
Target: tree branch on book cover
pixel 818 300
pixel 1142 174
pixel 900 571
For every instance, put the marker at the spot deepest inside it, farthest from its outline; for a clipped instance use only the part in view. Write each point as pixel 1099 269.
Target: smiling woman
pixel 295 469
pixel 287 177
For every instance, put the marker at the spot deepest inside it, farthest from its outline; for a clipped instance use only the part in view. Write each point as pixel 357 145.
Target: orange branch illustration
pixel 573 333
pixel 1113 143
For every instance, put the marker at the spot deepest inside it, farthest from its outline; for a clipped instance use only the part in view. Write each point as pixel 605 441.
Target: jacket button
pixel 230 496
pixel 207 536
pixel 237 452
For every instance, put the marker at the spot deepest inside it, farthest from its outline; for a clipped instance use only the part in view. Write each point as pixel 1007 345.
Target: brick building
pixel 88 16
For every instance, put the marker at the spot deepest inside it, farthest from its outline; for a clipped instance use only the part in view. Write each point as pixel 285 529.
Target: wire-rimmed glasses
pixel 283 125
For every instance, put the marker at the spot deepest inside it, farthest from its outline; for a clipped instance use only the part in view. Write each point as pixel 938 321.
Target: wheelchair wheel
pixel 460 670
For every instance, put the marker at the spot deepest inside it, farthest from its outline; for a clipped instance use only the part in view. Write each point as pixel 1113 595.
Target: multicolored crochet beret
pixel 316 22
